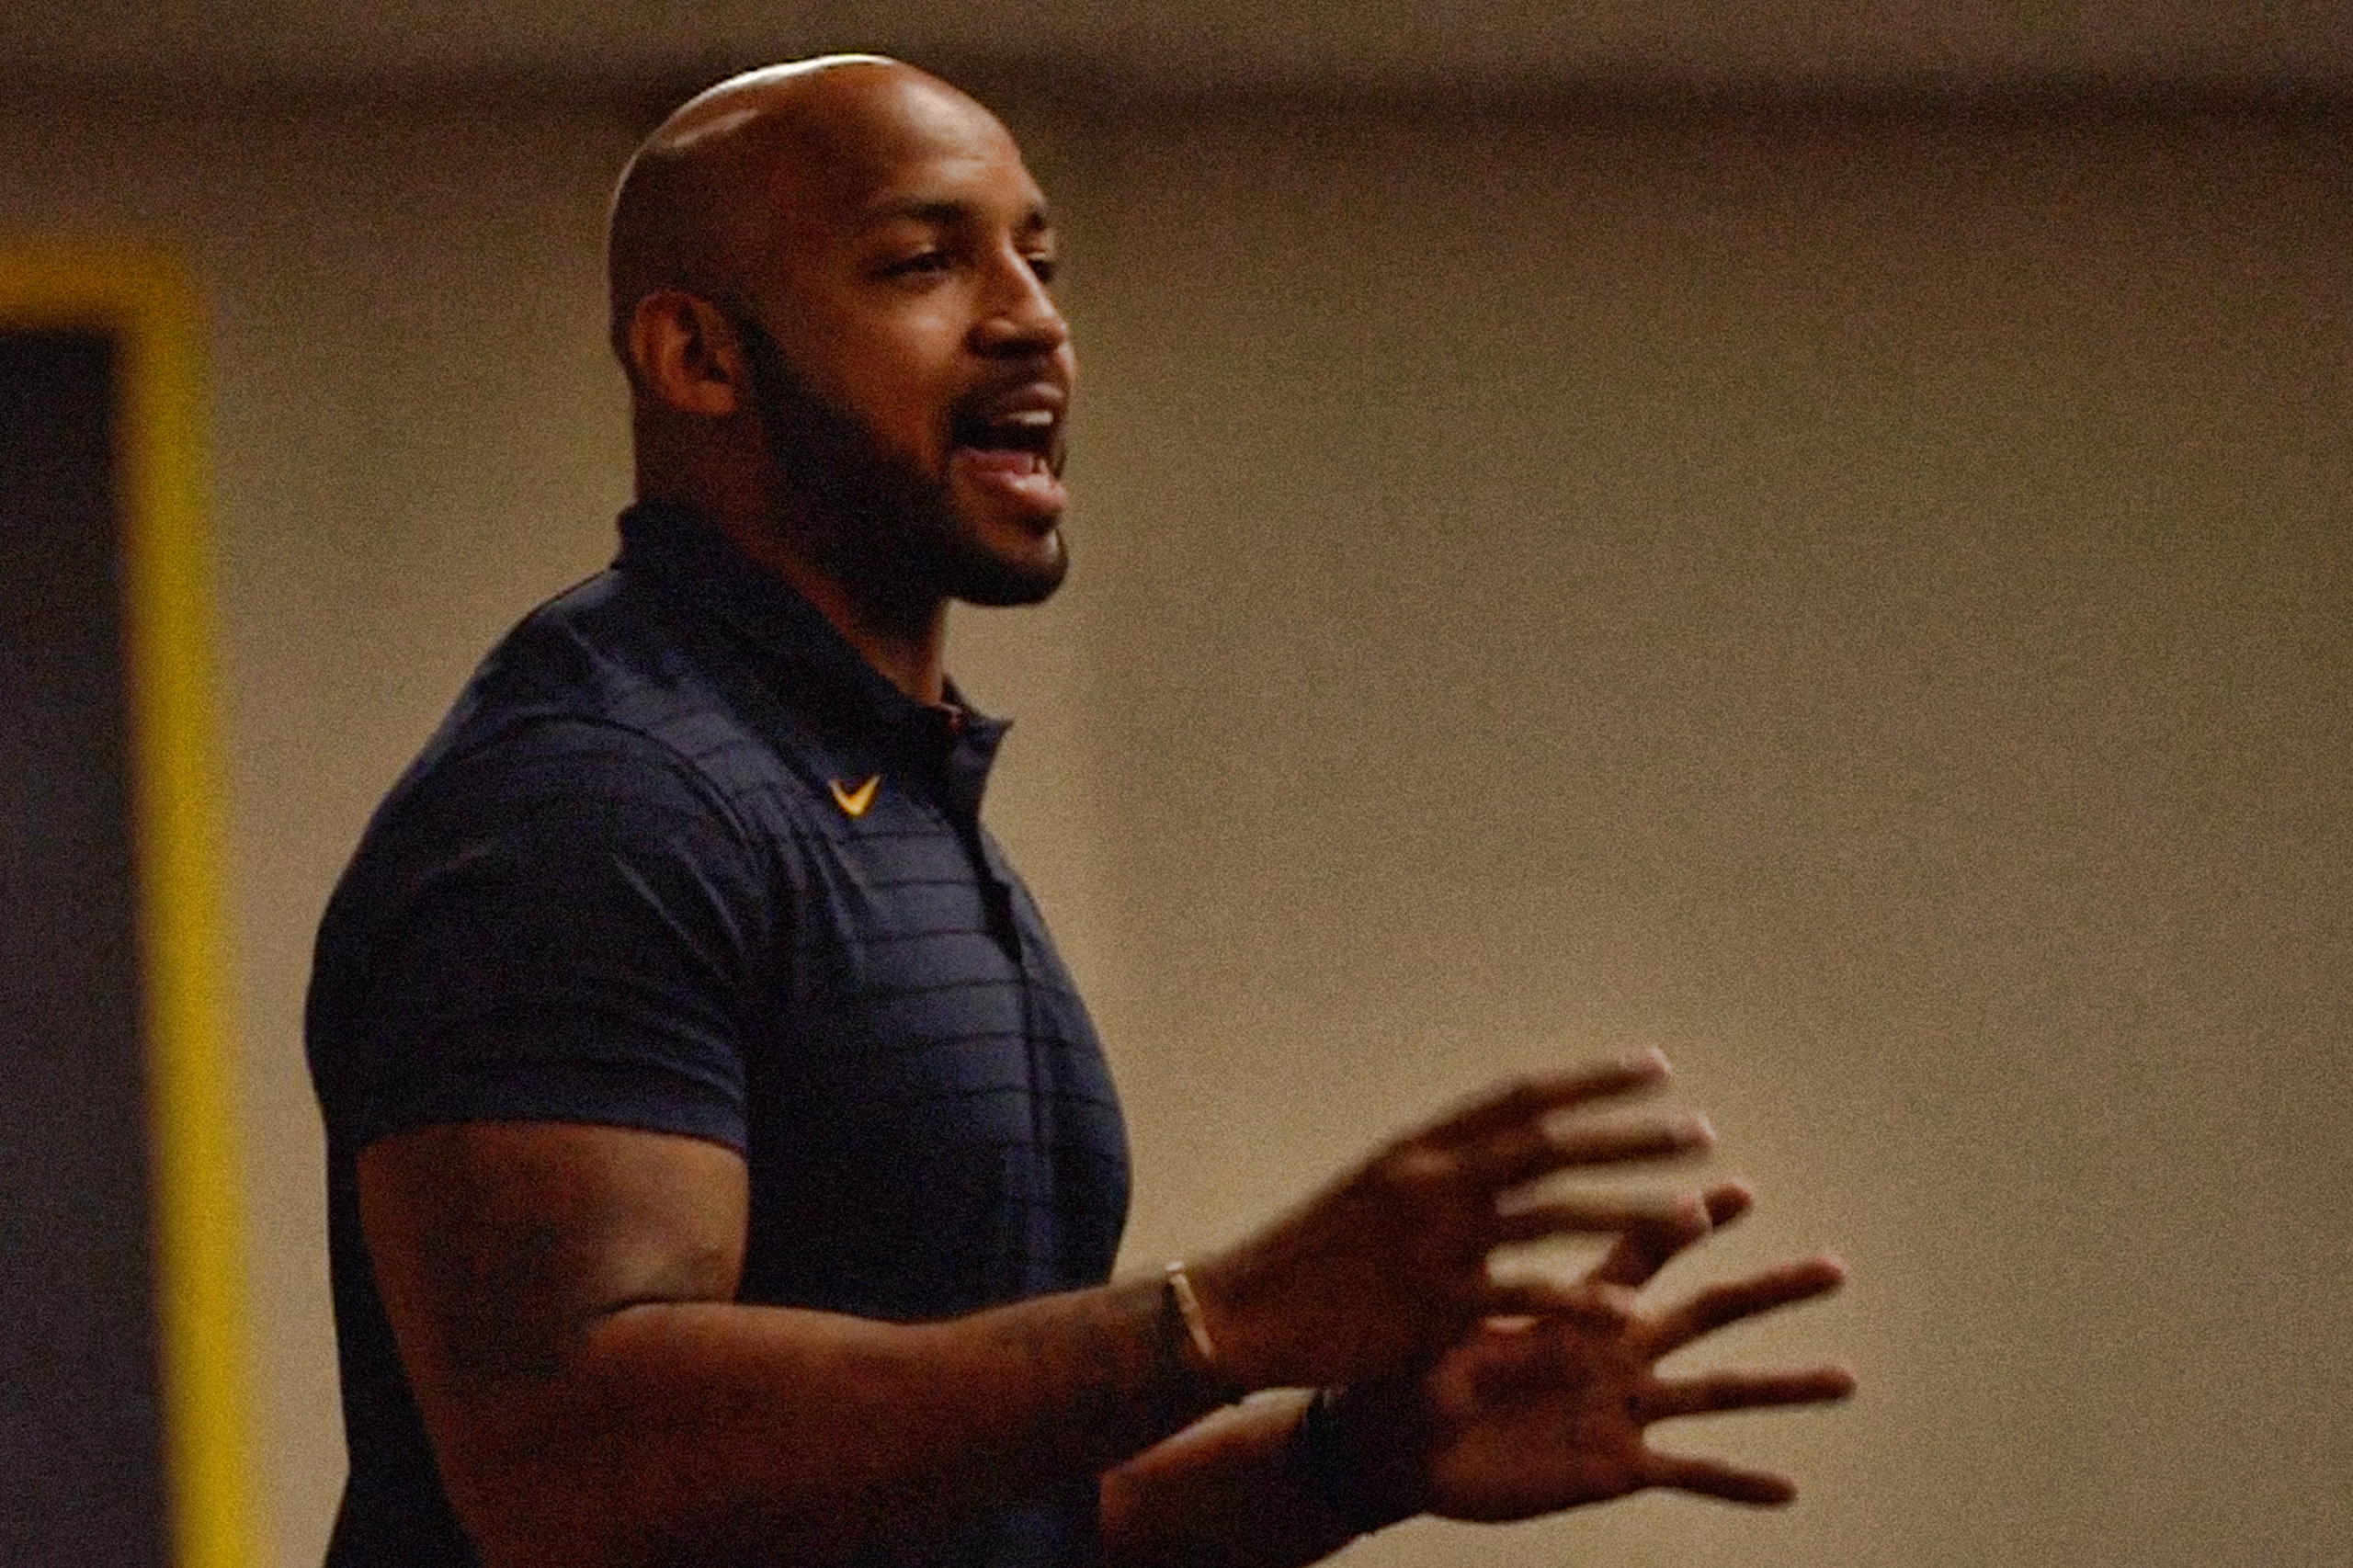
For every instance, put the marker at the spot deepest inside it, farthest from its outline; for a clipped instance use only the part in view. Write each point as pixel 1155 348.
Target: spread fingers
pixel 1715 1392
pixel 1537 1149
pixel 1531 1099
pixel 1684 1216
pixel 1643 1250
pixel 1718 1305
pixel 1713 1478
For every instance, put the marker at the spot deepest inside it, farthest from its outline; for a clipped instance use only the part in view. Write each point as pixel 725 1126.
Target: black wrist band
pixel 1339 1483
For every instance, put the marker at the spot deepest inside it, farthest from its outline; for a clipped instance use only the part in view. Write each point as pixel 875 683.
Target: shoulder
pixel 592 753
pixel 553 811
pixel 609 652
pixel 569 891
pixel 609 695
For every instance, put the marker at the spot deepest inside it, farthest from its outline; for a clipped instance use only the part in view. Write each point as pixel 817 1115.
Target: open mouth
pixel 1011 448
pixel 1019 440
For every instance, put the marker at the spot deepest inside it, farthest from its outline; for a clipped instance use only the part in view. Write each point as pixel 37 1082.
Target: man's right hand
pixel 1391 1262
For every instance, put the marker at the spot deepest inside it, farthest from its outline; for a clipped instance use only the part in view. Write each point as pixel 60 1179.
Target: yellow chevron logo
pixel 854 802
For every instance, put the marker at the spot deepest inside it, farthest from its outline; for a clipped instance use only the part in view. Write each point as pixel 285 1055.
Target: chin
pixel 1003 578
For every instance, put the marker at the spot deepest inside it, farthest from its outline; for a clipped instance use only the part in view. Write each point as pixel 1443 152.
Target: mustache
pixel 1006 377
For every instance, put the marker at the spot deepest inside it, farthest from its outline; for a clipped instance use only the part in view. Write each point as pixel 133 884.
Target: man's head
pixel 829 292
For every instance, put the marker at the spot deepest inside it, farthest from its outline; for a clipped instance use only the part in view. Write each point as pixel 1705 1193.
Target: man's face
pixel 912 372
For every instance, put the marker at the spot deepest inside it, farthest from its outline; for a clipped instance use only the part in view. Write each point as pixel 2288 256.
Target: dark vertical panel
pixel 80 1446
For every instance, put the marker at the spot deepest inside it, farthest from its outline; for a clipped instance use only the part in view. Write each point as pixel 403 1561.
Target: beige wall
pixel 1867 605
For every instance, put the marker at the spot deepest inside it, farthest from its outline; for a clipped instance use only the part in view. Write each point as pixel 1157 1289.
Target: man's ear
pixel 684 355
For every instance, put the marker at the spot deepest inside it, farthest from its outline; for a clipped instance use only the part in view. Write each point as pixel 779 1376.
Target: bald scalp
pixel 697 208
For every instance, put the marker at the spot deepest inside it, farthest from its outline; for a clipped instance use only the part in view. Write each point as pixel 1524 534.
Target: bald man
pixel 722 1167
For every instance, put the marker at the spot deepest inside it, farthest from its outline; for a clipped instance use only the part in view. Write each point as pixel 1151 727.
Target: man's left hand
pixel 1526 1416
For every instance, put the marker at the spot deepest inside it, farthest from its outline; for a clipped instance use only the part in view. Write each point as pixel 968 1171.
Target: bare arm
pixel 562 1299
pixel 1225 1492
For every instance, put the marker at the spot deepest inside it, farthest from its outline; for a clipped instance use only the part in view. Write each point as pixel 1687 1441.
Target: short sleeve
pixel 567 925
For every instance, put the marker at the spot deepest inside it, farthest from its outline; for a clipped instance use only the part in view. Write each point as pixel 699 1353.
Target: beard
pixel 863 512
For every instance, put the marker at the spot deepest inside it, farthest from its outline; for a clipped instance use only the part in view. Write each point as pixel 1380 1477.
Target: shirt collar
pixel 812 666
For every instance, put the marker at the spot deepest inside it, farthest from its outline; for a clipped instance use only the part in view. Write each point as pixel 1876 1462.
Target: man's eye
pixel 918 265
pixel 1045 266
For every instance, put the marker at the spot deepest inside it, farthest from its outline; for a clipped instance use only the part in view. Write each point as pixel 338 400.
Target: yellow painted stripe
pixel 142 298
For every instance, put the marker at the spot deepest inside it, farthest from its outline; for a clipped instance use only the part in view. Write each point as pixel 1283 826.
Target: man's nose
pixel 1021 316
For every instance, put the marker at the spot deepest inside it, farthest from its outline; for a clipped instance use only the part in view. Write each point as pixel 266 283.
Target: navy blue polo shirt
pixel 680 860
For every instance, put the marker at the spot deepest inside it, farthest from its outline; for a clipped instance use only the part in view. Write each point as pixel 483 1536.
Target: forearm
pixel 1228 1492
pixel 562 1296
pixel 713 1432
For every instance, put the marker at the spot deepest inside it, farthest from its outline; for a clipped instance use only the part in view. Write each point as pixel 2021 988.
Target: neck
pixel 904 636
pixel 909 643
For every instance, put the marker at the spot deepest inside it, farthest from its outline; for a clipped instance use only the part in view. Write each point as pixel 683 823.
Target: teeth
pixel 1030 418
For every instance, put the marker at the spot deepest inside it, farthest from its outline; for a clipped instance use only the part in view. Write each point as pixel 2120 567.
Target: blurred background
pixel 1819 536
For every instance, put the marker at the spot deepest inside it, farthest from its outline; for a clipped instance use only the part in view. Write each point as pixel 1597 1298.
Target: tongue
pixel 1020 477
